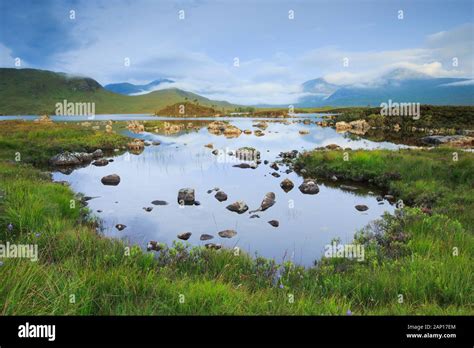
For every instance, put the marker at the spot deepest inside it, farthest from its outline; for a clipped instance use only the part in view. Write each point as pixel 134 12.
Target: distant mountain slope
pixel 32 91
pixel 399 85
pixel 129 88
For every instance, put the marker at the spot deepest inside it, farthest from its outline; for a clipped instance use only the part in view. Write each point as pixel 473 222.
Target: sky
pixel 246 52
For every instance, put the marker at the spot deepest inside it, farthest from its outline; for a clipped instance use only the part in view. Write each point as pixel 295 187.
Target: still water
pixel 307 223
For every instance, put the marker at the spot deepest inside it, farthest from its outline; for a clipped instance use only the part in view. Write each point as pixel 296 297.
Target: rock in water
pixel 184 236
pixel 221 196
pixel 100 162
pixel 361 207
pixel 268 201
pixel 239 207
pixel 206 237
pixel 274 166
pixel 112 180
pixel 64 159
pixel 274 223
pixel 227 233
pixel 158 202
pixel 287 185
pixel 309 187
pixel 186 196
pixel 147 209
pixel 120 227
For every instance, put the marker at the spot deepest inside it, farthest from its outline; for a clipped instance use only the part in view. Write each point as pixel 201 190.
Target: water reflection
pixel 306 222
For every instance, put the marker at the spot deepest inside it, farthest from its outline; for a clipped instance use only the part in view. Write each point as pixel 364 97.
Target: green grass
pixel 36 143
pixel 409 254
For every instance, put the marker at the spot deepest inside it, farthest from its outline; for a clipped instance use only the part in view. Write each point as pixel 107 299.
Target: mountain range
pixel 131 89
pixel 399 85
pixel 33 91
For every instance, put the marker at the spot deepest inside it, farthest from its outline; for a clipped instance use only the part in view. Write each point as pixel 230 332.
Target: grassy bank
pixel 37 142
pixel 409 255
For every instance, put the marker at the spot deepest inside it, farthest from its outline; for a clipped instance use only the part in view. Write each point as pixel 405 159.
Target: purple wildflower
pixel 348 312
pixel 10 227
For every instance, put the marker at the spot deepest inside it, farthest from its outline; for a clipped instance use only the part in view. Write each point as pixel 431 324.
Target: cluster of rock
pixel 451 140
pixel 136 145
pixel 75 158
pixel 135 126
pixel 359 127
pixel 43 119
pixel 223 128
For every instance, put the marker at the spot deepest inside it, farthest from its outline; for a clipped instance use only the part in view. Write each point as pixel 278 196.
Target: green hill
pixel 32 91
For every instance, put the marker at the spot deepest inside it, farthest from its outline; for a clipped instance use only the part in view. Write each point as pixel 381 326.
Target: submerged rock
pixel 112 180
pixel 158 202
pixel 309 187
pixel 185 235
pixel 186 196
pixel 287 185
pixel 238 207
pixel 227 233
pixel 148 209
pixel 255 216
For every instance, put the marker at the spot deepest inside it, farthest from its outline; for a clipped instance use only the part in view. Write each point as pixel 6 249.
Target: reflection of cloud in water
pixel 307 222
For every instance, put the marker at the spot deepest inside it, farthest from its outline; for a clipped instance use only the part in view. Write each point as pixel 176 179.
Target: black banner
pixel 349 330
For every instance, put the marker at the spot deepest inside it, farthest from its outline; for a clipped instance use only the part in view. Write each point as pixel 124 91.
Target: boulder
pixel 186 196
pixel 361 207
pixel 238 207
pixel 206 237
pixel 184 236
pixel 112 180
pixel 227 233
pixel 309 187
pixel 287 185
pixel 64 159
pixel 221 196
pixel 274 223
pixel 100 162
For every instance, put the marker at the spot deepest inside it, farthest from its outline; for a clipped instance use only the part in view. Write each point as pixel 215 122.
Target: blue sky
pixel 276 54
